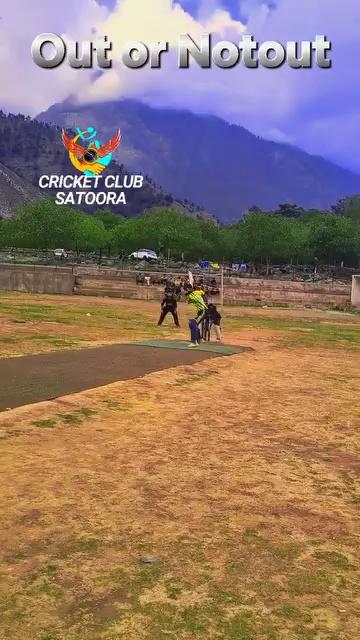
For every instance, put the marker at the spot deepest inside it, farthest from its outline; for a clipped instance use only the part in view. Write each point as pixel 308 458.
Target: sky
pixel 315 109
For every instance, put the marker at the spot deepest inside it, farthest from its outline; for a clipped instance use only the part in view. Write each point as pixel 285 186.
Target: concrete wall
pixel 37 279
pixel 237 290
pixel 98 281
pixel 355 291
pixel 286 292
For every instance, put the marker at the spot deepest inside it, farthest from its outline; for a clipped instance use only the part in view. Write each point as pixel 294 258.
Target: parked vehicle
pixel 144 254
pixel 60 253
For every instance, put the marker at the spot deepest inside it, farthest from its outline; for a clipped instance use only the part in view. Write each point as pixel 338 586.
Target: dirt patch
pixel 238 474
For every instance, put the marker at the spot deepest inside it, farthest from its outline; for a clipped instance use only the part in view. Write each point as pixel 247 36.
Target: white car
pixel 144 254
pixel 60 253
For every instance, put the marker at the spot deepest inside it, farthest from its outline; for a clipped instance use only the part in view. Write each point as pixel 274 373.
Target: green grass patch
pixel 49 636
pixel 147 577
pixel 72 419
pixel 251 533
pixel 76 418
pixel 85 412
pixel 240 627
pixel 113 404
pixel 302 333
pixel 303 633
pixel 195 621
pixel 62 343
pixel 51 569
pixel 310 583
pixel 45 424
pixel 40 586
pixel 287 551
pixel 87 544
pixel 191 378
pixel 117 320
pixel 84 545
pixel 290 612
pixel 8 602
pixel 335 559
pixel 174 588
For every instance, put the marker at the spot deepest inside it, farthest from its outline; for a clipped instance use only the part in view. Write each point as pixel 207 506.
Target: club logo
pixel 92 187
pixel 93 158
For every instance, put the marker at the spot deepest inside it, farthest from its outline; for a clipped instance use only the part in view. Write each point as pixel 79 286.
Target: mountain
pixel 29 149
pixel 223 167
pixel 14 190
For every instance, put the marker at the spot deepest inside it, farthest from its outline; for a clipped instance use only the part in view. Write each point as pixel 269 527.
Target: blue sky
pixel 194 6
pixel 317 110
pixel 237 8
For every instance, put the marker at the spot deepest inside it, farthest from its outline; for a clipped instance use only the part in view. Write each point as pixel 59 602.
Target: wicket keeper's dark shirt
pixel 169 301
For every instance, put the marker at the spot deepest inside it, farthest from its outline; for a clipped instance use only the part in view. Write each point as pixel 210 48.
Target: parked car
pixel 144 254
pixel 60 253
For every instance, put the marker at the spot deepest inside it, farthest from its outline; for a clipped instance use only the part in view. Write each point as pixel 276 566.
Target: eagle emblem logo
pixel 93 158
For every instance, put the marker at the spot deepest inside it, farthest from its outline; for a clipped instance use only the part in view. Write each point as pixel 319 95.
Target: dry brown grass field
pixel 237 477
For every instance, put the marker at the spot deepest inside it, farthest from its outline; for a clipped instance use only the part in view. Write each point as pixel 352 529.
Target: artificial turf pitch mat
pixel 204 347
pixel 36 378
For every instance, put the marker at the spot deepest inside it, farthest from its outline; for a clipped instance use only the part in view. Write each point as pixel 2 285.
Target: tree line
pixel 287 235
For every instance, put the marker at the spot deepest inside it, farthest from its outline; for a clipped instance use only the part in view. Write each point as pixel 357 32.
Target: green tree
pixel 334 238
pixel 90 234
pixel 124 236
pixel 110 220
pixel 263 238
pixel 44 225
pixel 7 233
pixel 210 245
pixel 259 236
pixel 254 209
pixel 230 241
pixel 299 251
pixel 290 210
pixel 168 230
pixel 351 208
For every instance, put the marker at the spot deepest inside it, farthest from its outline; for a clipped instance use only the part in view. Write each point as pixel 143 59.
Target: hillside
pixel 14 190
pixel 29 149
pixel 223 167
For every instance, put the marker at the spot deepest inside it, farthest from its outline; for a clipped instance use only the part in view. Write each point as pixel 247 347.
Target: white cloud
pixel 279 136
pixel 297 106
pixel 24 86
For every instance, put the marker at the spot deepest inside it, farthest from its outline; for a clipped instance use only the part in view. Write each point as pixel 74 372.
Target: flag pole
pixel 222 287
